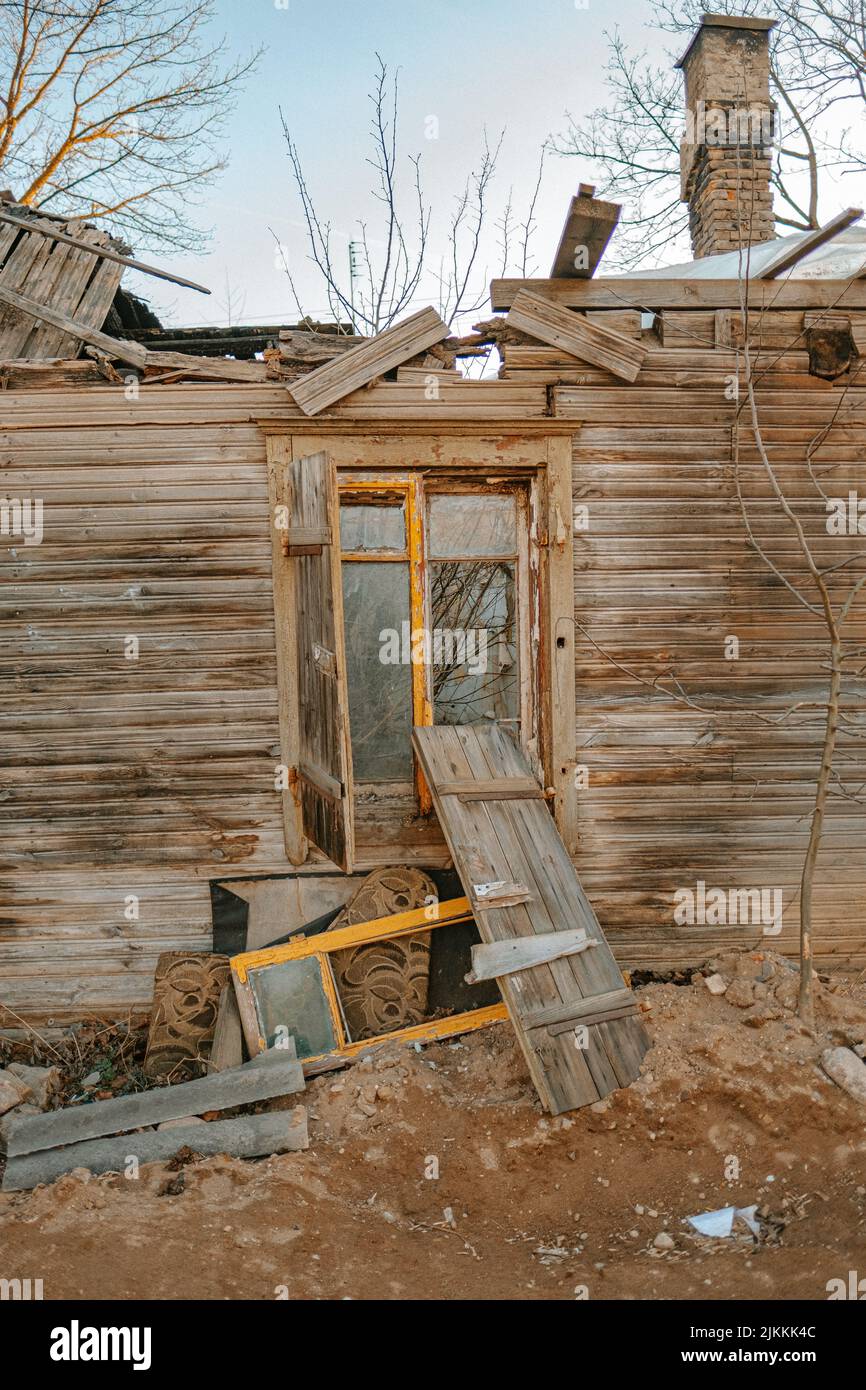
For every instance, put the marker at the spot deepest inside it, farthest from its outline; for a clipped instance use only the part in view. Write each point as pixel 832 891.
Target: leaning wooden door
pixel 323 776
pixel 576 1021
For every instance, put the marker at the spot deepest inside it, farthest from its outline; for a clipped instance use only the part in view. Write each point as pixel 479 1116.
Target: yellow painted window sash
pixel 324 944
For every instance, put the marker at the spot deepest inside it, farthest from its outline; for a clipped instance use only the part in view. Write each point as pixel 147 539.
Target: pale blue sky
pixel 518 64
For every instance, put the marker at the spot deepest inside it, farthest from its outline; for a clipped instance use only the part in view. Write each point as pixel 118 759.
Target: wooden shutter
pixel 576 1021
pixel 323 776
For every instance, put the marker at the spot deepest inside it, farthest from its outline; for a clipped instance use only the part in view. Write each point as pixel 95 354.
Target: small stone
pixel 664 1242
pixel 740 993
pixel 44 1082
pixel 786 992
pixel 715 984
pixel 92 1079
pixel 845 1068
pixel 13 1092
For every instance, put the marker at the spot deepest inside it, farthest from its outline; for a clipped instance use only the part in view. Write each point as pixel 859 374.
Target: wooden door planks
pixel 517 840
pixel 324 766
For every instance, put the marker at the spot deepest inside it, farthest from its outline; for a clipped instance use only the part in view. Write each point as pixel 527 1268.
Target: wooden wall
pixel 698 787
pixel 148 778
pixel 131 777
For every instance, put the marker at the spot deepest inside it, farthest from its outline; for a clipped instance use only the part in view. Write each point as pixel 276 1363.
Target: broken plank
pixel 208 368
pixel 589 226
pixel 790 256
pixel 227 1050
pixel 362 365
pixel 250 1136
pixel 45 229
pixel 125 352
pixel 492 960
pixel 274 1073
pixel 588 342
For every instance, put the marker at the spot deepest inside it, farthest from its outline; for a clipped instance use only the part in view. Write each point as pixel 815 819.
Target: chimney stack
pixel 726 150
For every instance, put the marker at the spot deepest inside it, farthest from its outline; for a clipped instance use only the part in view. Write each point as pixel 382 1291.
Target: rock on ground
pixel 845 1068
pixel 13 1091
pixel 44 1082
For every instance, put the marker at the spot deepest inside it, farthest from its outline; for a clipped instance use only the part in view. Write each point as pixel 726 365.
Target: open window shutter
pixel 324 770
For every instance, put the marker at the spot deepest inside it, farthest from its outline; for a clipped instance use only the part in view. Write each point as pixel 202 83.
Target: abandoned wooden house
pixel 235 584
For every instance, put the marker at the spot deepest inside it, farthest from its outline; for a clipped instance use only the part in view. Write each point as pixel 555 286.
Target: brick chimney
pixel 727 146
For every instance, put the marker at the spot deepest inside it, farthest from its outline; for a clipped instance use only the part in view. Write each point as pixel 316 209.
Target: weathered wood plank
pixel 621 292
pixel 45 228
pixel 589 226
pixel 360 365
pixel 789 256
pixel 274 1073
pixel 517 841
pixel 588 342
pixel 125 352
pixel 250 1136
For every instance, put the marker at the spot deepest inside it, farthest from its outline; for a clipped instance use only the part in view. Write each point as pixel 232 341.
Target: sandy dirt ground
pixel 435 1175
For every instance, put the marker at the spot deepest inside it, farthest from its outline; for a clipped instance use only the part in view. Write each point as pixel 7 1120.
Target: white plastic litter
pixel 721 1223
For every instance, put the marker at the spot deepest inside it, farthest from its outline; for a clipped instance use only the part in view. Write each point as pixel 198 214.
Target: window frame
pixel 417 489
pixel 477 444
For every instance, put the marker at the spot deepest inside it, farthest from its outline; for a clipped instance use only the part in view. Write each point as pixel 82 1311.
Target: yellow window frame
pixel 323 945
pixel 409 486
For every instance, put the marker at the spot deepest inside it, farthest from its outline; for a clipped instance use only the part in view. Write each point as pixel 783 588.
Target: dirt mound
pixel 434 1174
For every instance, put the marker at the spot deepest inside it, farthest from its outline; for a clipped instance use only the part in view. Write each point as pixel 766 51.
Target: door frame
pixel 497 451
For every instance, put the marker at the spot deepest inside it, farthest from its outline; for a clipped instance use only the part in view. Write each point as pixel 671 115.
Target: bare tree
pixel 373 278
pixel 632 142
pixel 828 592
pixel 113 109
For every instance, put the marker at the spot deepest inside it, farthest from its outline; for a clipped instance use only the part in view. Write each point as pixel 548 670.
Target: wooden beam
pixel 207 368
pixel 623 293
pixel 558 714
pixel 275 1073
pixel 250 1136
pixel 789 256
pixel 132 353
pixel 563 328
pixel 361 365
pixel 103 252
pixel 588 228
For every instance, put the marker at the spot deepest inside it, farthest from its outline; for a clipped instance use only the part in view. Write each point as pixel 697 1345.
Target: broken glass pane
pixel 474 642
pixel 290 999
